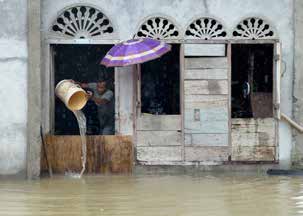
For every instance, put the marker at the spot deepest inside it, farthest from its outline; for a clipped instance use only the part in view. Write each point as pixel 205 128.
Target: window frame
pixel 48 80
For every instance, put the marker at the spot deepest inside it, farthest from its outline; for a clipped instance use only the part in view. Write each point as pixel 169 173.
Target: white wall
pixel 13 94
pixel 128 14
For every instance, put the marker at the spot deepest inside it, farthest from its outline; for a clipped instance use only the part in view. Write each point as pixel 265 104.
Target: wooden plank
pixel 277 80
pixel 204 49
pixel 253 153
pixel 192 87
pixel 206 117
pixel 118 154
pixel 206 74
pixel 159 138
pixel 207 154
pixel 187 139
pixel 182 72
pixel 159 122
pixel 159 154
pixel 254 125
pixel 104 154
pixel 206 101
pixel 252 121
pixel 252 139
pixel 206 127
pixel 206 63
pixel 208 140
pixel 262 104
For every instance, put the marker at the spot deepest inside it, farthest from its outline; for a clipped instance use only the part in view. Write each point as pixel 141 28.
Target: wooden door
pixel 206 99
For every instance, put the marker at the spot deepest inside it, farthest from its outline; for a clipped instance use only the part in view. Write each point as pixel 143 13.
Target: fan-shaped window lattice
pixel 158 28
pixel 253 28
pixel 82 22
pixel 205 28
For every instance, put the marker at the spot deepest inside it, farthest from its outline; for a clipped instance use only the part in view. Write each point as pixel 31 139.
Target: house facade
pixel 216 98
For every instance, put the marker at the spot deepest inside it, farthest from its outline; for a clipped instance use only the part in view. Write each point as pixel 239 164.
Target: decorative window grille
pixel 205 28
pixel 158 28
pixel 253 28
pixel 82 22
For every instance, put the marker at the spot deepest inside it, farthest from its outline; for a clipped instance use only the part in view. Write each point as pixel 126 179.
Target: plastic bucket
pixel 72 95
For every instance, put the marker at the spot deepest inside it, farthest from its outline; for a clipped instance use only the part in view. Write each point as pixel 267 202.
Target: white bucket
pixel 73 96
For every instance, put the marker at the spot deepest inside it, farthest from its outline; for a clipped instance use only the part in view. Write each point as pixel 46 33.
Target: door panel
pixel 206 112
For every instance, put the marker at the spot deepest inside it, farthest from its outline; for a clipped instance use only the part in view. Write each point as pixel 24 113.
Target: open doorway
pixel 158 119
pixel 160 84
pixel 252 80
pixel 82 64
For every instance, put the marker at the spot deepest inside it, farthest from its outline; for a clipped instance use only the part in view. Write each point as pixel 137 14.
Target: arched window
pixel 158 28
pixel 82 22
pixel 205 28
pixel 253 28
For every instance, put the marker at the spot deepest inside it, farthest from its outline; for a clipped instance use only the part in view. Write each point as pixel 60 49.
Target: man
pixel 104 99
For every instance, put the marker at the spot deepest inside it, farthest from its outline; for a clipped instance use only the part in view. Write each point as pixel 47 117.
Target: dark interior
pixel 252 80
pixel 160 84
pixel 80 63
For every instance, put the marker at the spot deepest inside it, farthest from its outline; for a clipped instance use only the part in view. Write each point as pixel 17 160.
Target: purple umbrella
pixel 135 51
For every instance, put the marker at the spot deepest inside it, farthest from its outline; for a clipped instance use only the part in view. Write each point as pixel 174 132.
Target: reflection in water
pixel 215 195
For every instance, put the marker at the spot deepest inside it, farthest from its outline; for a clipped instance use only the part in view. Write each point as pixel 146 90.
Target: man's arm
pixel 99 101
pixel 83 85
pixel 106 98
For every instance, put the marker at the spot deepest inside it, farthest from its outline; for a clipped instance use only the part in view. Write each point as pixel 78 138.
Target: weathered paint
pixel 159 138
pixel 13 89
pixel 253 139
pixel 297 153
pixel 253 153
pixel 206 119
pixel 207 139
pixel 159 153
pixel 159 122
pixel 192 87
pixel 105 154
pixel 204 50
pixel 206 63
pixel 208 74
pixel 206 154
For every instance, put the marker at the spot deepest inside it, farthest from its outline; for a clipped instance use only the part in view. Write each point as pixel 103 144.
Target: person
pixel 104 99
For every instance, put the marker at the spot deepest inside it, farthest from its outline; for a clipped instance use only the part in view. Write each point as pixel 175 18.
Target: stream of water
pixel 81 119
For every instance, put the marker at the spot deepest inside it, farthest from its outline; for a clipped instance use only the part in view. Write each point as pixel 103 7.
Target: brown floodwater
pixel 198 194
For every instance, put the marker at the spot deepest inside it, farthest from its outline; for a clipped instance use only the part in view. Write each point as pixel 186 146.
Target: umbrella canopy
pixel 135 51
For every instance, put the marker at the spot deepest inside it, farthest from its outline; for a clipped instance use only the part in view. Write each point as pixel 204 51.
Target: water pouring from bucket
pixel 71 94
pixel 75 98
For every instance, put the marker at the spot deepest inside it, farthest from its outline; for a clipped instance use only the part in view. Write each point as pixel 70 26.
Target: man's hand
pixel 89 94
pixel 82 85
pixel 99 101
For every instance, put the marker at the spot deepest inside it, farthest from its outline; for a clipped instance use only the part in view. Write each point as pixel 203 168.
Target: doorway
pixel 158 122
pixel 82 64
pixel 253 81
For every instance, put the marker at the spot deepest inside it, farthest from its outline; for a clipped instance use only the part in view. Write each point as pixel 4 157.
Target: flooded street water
pixel 203 194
